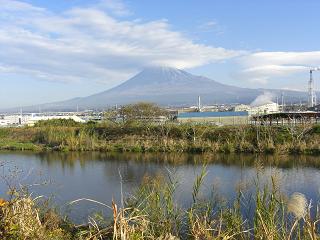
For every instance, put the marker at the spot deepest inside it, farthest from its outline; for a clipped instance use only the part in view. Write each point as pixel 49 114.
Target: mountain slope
pixel 167 86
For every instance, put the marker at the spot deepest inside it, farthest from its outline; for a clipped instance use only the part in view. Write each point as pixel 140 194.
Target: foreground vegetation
pixel 139 136
pixel 259 212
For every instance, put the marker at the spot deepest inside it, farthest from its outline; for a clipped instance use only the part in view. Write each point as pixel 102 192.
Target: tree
pixel 111 115
pixel 143 111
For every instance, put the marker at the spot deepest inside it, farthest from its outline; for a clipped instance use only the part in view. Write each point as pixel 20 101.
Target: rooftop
pixel 211 114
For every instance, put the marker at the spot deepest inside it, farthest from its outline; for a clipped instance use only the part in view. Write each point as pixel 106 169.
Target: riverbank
pixel 169 137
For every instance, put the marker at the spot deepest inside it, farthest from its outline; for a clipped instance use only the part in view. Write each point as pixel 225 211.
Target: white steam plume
pixel 262 99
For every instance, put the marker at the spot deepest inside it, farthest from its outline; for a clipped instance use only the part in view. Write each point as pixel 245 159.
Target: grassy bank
pixel 169 137
pixel 152 213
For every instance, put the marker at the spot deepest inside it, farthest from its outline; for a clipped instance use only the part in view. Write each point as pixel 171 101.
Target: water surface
pixel 69 176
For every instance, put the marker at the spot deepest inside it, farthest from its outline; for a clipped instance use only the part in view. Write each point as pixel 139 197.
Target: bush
pixel 58 122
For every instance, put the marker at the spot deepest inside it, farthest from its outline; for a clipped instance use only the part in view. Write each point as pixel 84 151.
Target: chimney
pixel 199 104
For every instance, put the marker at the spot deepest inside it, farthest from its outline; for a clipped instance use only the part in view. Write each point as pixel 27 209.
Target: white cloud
pixel 87 44
pixel 12 5
pixel 208 25
pixel 117 7
pixel 274 65
pixel 211 27
pixel 258 80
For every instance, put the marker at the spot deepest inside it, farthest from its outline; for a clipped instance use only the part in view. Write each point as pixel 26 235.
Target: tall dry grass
pixel 167 137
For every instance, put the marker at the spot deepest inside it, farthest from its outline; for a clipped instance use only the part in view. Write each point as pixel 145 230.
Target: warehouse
pixel 217 118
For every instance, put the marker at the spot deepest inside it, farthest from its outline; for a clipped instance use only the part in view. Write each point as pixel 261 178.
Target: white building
pixel 242 108
pixel 30 120
pixel 34 119
pixel 13 120
pixel 264 109
pixel 270 107
pixel 4 123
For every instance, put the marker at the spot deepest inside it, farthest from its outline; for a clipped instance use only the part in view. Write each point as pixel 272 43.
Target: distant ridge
pixel 168 87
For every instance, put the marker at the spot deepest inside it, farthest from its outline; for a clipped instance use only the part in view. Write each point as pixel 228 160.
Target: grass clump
pixel 23 218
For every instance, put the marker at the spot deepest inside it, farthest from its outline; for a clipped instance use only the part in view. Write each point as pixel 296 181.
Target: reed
pixel 168 137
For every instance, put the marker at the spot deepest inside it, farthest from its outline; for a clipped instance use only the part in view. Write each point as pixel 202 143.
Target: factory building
pixel 242 108
pixel 30 120
pixel 34 119
pixel 267 108
pixel 216 118
pixel 13 120
pixel 264 109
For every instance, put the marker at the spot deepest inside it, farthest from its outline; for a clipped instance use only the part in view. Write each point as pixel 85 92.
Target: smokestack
pixel 312 101
pixel 199 104
pixel 282 102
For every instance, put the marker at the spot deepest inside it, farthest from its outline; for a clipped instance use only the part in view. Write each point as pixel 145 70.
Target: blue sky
pixel 60 49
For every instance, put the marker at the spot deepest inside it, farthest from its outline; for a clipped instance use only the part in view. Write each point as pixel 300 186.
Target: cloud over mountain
pixel 90 44
pixel 102 41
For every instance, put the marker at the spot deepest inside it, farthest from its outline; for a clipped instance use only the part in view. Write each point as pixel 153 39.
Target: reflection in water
pixel 283 161
pixel 96 175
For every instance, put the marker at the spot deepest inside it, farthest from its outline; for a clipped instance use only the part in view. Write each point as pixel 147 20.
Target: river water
pixel 65 177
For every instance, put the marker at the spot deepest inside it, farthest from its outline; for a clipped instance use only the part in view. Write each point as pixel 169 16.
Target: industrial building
pixel 34 119
pixel 13 120
pixel 266 108
pixel 31 119
pixel 216 118
pixel 287 118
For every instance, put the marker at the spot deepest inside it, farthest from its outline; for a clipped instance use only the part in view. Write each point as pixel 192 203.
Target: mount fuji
pixel 167 87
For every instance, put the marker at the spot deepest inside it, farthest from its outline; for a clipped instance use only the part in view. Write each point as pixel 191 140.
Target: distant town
pixel 262 110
